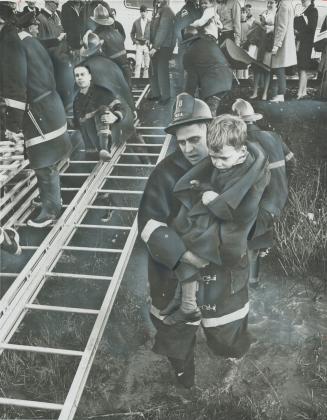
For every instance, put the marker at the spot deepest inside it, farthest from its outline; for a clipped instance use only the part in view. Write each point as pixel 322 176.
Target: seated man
pixel 95 110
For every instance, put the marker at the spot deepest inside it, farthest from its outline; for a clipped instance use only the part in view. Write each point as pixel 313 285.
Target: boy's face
pixel 248 11
pixel 243 16
pixel 205 4
pixel 192 140
pixel 227 157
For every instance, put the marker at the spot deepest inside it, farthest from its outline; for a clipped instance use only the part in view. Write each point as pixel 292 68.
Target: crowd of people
pixel 208 209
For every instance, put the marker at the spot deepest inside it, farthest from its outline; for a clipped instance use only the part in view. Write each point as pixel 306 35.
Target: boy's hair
pixel 248 6
pixel 226 130
pixel 243 9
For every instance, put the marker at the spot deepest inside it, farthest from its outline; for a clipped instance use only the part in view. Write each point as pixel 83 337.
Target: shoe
pixel 36 202
pixel 254 282
pixel 277 98
pixel 253 97
pixel 185 375
pixel 9 241
pixel 153 98
pixel 164 101
pixel 179 317
pixel 42 220
pixel 105 155
pixel 172 306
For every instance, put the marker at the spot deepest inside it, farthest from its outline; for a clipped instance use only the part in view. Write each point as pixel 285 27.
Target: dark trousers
pixel 226 35
pixel 160 84
pixel 214 102
pixel 49 186
pixel 281 80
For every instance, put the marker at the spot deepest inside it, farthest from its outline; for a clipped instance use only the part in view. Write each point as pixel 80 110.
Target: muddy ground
pixel 284 374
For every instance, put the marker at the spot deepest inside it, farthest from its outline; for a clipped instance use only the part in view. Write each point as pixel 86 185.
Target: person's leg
pixel 266 83
pixel 146 55
pixel 302 91
pixel 138 60
pixel 254 267
pixel 281 85
pixel 256 81
pixel 163 73
pixel 154 82
pixel 49 186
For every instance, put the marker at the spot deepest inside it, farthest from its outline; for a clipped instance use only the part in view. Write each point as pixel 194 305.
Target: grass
pixel 301 232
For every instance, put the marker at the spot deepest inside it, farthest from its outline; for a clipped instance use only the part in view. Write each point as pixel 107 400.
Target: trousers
pixel 142 56
pixel 49 187
pixel 160 84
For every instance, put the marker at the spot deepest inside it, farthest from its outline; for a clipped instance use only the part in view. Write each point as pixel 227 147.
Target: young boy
pixel 220 199
pixel 209 23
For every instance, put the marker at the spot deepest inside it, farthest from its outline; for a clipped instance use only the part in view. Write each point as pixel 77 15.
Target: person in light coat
pixel 284 49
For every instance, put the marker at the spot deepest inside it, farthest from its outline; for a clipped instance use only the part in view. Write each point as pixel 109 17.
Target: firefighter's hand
pixel 152 52
pixel 14 137
pixel 109 118
pixel 208 197
pixel 189 258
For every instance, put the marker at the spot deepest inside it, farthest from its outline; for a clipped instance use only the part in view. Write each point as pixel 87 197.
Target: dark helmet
pixel 188 110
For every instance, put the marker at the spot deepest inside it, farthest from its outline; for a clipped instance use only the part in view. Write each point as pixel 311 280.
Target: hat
pixel 101 16
pixel 188 110
pixel 143 8
pixel 245 111
pixel 27 20
pixel 239 58
pixel 91 44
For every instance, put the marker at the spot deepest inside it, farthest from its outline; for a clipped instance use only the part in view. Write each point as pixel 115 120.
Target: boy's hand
pixel 108 118
pixel 208 197
pixel 189 258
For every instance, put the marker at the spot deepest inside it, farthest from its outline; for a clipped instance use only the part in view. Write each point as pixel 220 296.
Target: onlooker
pixel 249 17
pixel 230 16
pixel 305 26
pixel 113 46
pixel 188 14
pixel 162 38
pixel 140 35
pixel 71 22
pixel 207 69
pixel 31 7
pixel 96 109
pixel 209 23
pixel 245 27
pixel 262 44
pixel 284 49
pixel 117 25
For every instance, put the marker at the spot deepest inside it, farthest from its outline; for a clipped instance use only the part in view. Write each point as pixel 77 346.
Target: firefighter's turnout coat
pixel 33 105
pixel 223 294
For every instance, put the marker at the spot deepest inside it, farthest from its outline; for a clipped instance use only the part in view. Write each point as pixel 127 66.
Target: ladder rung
pixel 75 174
pixel 69 189
pixel 154 135
pixel 120 191
pixel 9 274
pixel 103 227
pixel 88 249
pixel 112 208
pixel 140 154
pixel 29 247
pixel 127 177
pixel 35 349
pixel 83 161
pixel 31 404
pixel 136 165
pixel 51 308
pixel 78 276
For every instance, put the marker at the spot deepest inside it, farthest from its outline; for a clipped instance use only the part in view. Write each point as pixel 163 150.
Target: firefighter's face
pixel 192 140
pixel 82 77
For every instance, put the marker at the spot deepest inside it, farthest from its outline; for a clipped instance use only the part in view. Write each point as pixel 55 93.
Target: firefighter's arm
pixel 290 162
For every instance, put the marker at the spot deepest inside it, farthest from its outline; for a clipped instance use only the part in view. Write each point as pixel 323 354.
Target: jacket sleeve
pixel 163 243
pixel 191 76
pixel 236 16
pixel 281 25
pixel 165 27
pixel 133 32
pixel 290 162
pixel 14 81
pixel 204 19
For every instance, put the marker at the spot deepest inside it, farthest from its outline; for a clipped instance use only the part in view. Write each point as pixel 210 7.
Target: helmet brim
pixel 172 127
